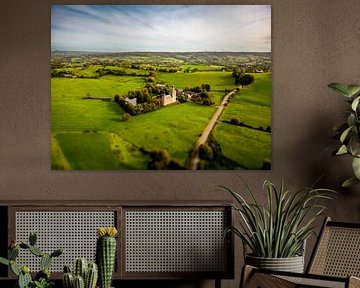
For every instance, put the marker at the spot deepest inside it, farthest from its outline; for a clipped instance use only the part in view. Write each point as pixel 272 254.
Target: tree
pixel 126 117
pixel 205 87
pixel 246 79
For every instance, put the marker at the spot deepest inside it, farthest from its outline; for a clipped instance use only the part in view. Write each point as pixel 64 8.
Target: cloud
pixel 161 28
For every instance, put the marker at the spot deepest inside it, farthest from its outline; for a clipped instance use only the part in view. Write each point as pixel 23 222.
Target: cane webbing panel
pixel 74 231
pixel 313 282
pixel 175 241
pixel 338 252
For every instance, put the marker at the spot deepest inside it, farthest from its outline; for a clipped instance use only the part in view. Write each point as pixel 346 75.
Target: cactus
pixel 45 261
pixel 32 238
pixel 68 280
pixel 79 282
pixel 24 278
pixel 91 276
pixel 88 273
pixel 80 267
pixel 36 251
pixel 13 253
pixel 105 255
pixel 14 268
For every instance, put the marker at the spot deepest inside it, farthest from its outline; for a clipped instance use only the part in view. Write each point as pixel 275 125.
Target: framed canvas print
pixel 160 87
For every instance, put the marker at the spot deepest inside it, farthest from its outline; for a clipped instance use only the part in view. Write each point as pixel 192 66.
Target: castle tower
pixel 173 93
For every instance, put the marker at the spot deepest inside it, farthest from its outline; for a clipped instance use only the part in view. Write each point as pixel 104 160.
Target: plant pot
pixel 291 264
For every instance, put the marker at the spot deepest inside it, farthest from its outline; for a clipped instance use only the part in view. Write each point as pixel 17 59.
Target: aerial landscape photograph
pixel 161 87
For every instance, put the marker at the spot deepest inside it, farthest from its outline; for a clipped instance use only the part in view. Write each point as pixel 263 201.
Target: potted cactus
pixel 106 254
pixel 84 275
pixel 42 278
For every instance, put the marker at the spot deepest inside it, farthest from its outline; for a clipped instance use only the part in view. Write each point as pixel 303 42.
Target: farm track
pixel 195 158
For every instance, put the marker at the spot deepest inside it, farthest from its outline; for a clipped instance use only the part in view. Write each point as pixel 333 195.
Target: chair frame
pixel 256 277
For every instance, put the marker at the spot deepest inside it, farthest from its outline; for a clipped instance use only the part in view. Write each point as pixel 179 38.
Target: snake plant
pixel 279 228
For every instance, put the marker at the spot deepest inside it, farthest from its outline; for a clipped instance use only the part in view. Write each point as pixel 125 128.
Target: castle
pixel 168 99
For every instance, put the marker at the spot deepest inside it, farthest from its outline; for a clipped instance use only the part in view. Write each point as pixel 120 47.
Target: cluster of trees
pixel 151 76
pixel 202 98
pixel 117 72
pixel 58 73
pixel 160 160
pixel 191 70
pixel 241 78
pixel 211 150
pixel 157 89
pixel 146 99
pixel 147 104
pixel 236 121
pixel 197 89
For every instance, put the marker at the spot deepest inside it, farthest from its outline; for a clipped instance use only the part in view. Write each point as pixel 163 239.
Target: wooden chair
pixel 335 262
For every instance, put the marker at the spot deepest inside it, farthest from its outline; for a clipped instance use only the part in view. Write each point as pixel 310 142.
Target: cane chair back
pixel 337 252
pixel 335 262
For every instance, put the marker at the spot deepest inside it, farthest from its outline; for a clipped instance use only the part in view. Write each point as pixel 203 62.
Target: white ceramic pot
pixel 291 264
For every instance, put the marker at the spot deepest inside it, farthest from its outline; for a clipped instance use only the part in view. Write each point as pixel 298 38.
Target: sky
pixel 161 28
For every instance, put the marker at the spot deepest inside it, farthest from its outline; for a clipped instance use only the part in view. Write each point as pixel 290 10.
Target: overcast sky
pixel 171 28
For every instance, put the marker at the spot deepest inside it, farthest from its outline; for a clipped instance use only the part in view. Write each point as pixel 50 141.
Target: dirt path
pixel 195 159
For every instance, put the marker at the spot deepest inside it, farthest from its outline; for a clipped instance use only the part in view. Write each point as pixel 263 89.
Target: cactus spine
pixel 106 254
pixel 84 275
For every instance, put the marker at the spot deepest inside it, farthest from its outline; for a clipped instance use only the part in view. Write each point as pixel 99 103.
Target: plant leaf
pixel 351 119
pixel 340 88
pixel 355 103
pixel 349 182
pixel 356 167
pixel 353 89
pixel 342 150
pixel 345 134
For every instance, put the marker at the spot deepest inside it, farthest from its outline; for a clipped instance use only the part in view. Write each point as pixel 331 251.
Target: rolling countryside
pixel 91 129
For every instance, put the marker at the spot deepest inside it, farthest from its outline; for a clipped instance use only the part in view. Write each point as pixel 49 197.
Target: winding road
pixel 195 159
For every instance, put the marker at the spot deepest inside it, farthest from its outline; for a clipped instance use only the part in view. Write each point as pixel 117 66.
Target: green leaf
pixel 351 120
pixel 353 89
pixel 356 167
pixel 355 103
pixel 354 145
pixel 349 182
pixel 340 88
pixel 342 150
pixel 345 134
pixel 4 261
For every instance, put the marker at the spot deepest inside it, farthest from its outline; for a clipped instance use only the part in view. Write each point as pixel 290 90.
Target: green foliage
pixel 43 283
pixel 206 152
pixel 349 131
pixel 279 229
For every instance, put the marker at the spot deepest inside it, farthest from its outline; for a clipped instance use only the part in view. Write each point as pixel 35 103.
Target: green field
pixel 252 106
pixel 218 80
pixel 93 134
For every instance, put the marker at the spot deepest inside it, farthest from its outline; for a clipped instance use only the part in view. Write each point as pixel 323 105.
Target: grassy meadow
pixel 93 134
